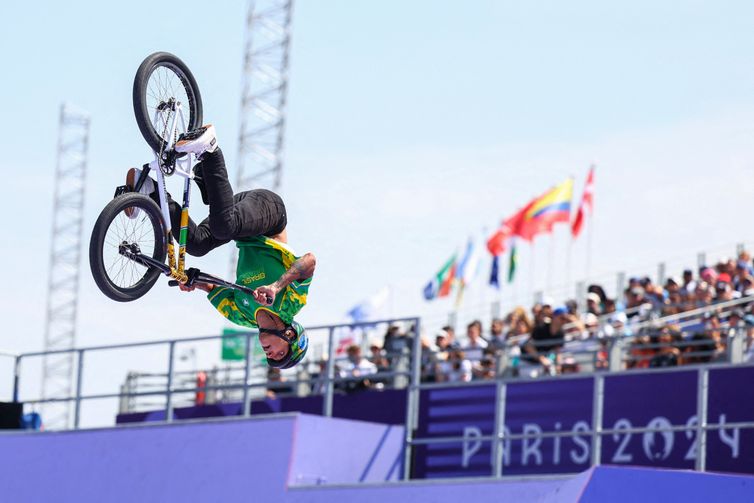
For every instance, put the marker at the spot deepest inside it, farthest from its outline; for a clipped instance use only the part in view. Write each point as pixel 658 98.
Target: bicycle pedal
pixel 119 191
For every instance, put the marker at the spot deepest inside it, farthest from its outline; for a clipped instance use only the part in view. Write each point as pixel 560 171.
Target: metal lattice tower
pixel 263 96
pixel 65 254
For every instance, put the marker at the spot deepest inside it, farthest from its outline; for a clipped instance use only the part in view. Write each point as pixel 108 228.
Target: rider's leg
pixel 252 213
pixel 256 212
pixel 199 239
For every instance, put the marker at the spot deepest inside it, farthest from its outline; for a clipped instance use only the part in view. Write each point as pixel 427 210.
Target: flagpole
pixel 550 258
pixel 531 269
pixel 589 247
pixel 568 259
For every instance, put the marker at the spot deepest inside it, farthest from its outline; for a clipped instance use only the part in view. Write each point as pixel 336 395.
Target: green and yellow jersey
pixel 261 261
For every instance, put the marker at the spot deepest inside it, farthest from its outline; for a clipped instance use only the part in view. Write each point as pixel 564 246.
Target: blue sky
pixel 411 125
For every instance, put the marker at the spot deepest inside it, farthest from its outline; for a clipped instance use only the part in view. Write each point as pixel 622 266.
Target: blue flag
pixel 494 273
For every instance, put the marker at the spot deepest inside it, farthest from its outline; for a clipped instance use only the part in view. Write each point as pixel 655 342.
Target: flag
pixel 512 261
pixel 497 243
pixel 466 268
pixel 439 286
pixel 495 273
pixel 371 308
pixel 550 208
pixel 586 206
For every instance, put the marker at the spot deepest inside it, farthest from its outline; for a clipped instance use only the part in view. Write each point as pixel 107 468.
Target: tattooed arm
pixel 302 269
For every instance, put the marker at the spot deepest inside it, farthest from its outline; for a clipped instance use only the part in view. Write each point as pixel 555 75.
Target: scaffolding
pixel 65 254
pixel 263 97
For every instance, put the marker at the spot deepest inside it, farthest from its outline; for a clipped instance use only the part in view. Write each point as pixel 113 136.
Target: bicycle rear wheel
pixel 118 277
pixel 161 81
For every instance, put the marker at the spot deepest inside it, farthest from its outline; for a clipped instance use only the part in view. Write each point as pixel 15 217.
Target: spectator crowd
pixel 690 319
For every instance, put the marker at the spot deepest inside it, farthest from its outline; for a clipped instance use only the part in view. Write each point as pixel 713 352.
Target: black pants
pixel 257 212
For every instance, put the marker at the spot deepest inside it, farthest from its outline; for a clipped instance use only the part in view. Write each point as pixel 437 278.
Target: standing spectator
pixel 475 345
pixel 666 354
pixel 689 285
pixel 497 334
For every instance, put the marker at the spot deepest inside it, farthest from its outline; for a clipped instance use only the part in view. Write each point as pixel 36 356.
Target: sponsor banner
pixel 548 406
pixel 631 401
pixel 731 400
pixel 655 401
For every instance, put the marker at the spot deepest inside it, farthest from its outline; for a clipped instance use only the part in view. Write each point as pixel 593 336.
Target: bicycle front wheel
pixel 130 219
pixel 162 82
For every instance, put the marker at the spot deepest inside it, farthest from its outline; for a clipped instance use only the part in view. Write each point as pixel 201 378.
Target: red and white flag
pixel 586 206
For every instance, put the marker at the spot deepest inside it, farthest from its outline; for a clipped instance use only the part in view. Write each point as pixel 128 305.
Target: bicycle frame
pixel 175 269
pixel 182 168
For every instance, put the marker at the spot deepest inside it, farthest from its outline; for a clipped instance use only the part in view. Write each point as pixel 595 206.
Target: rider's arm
pixel 302 268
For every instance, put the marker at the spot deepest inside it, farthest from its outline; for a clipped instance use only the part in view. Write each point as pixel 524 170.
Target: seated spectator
pixel 664 341
pixel 689 285
pixel 475 345
pixel 485 368
pixel 356 366
pixel 593 304
pixel 700 348
pixel 547 339
pixel 276 384
pixel 457 368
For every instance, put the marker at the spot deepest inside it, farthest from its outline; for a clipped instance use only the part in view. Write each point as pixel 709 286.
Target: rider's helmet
pixel 295 335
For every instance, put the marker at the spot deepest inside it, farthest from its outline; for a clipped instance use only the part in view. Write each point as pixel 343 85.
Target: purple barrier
pixel 387 407
pixel 631 400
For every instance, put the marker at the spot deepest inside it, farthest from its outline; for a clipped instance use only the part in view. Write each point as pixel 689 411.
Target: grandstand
pixel 650 380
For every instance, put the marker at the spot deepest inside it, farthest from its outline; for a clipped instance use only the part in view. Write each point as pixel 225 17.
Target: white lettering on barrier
pixel 732 440
pixel 658 429
pixel 620 456
pixel 471 443
pixel 580 459
pixel 556 447
pixel 691 435
pixel 506 451
pixel 531 445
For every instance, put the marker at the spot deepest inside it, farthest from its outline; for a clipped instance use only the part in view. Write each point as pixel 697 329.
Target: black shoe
pixel 199 179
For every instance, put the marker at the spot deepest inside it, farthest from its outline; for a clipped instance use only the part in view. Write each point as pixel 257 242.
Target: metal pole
pixel 620 284
pixel 412 400
pixel 661 273
pixel 497 447
pixel 701 259
pixel 16 378
pixel 701 415
pixel 329 384
pixel 169 389
pixel 246 374
pixel 598 402
pixel 79 375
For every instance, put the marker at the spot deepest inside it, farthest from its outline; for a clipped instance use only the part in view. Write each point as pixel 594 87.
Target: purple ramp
pixel 339 451
pixel 630 484
pixel 220 460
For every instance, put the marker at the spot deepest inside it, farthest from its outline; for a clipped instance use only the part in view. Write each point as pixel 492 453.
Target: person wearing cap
pixel 593 304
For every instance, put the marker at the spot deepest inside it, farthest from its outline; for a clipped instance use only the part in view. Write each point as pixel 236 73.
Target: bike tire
pixel 103 245
pixel 144 110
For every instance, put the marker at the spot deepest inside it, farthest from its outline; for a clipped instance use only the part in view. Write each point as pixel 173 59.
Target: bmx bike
pixel 132 235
